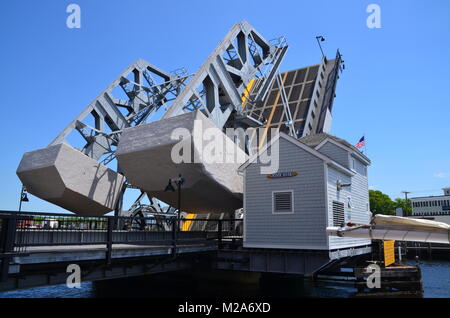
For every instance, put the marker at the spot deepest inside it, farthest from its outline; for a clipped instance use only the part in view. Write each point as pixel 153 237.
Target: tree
pixel 381 203
pixel 405 205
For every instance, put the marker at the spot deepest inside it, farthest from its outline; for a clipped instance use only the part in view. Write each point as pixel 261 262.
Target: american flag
pixel 361 143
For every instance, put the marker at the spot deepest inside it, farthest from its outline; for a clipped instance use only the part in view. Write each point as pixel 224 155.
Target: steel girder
pixel 111 114
pixel 218 86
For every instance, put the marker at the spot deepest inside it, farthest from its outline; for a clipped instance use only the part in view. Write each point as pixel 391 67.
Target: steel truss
pixel 152 94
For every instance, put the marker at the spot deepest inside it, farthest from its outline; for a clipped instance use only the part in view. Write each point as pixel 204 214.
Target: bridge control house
pixel 321 181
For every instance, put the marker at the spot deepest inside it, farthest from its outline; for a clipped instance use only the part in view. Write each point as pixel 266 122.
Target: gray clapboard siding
pixel 360 167
pixel 361 193
pixel 335 153
pixel 303 229
pixel 357 213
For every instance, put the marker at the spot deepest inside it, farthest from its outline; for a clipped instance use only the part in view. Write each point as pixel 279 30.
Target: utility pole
pixel 406 200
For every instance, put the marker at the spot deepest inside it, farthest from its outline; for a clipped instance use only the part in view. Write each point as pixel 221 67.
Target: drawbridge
pixel 123 139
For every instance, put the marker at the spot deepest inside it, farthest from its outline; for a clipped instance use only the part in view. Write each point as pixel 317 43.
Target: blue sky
pixel 394 89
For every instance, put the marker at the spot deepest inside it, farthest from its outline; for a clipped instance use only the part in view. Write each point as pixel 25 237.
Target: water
pixel 435 277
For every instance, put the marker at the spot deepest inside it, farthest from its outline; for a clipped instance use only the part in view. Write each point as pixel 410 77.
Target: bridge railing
pixel 19 231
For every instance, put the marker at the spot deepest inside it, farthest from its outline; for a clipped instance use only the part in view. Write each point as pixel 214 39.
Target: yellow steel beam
pixel 247 91
pixel 269 120
pixel 188 223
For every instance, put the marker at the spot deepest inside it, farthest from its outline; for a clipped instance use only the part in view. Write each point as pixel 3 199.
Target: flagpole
pixel 365 144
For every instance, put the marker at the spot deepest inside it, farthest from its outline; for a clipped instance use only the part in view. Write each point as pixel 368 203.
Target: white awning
pixel 380 219
pixel 385 227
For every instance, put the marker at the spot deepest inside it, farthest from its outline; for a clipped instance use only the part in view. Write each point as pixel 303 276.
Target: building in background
pixel 435 208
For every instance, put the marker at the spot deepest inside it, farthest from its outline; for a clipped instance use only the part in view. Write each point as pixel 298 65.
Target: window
pixel 338 213
pixel 282 202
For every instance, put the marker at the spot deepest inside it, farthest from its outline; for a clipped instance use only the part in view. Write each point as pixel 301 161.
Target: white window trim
pixel 273 202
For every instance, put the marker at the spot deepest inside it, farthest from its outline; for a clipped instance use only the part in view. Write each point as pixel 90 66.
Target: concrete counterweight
pixel 146 156
pixel 64 176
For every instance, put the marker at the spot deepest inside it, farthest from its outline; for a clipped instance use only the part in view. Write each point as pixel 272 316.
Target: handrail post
pixel 109 239
pixel 219 237
pixel 8 239
pixel 174 236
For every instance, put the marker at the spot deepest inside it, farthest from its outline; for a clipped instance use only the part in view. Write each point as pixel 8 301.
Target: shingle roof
pixel 315 139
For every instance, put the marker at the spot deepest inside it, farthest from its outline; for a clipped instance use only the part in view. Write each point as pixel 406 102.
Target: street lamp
pixel 179 182
pixel 169 187
pixel 319 39
pixel 23 197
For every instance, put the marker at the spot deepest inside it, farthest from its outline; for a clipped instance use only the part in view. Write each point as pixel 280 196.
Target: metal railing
pixel 18 231
pixel 21 231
